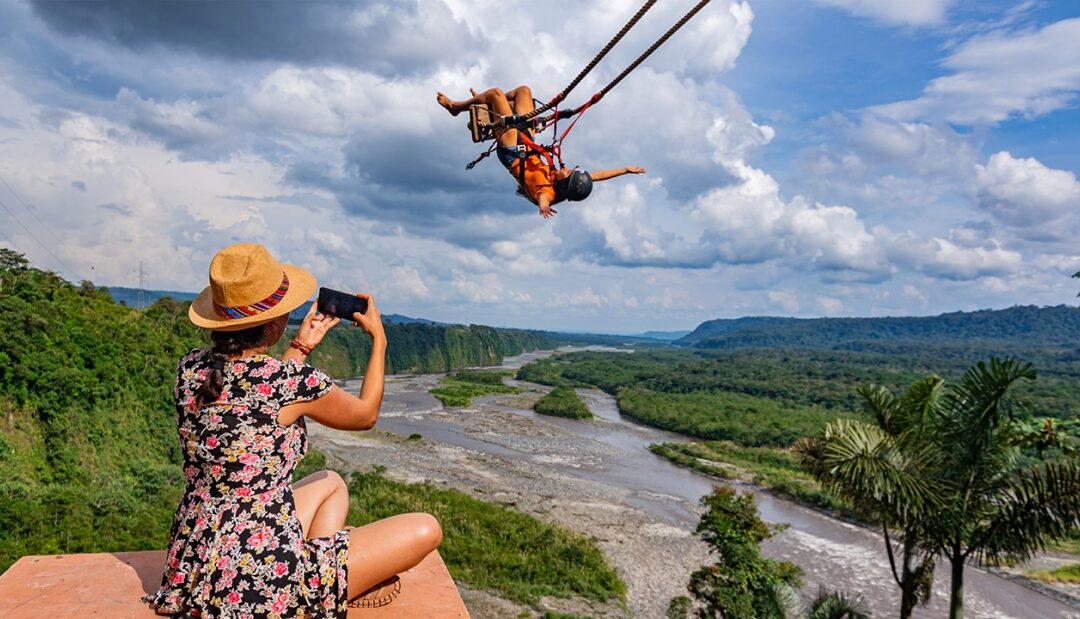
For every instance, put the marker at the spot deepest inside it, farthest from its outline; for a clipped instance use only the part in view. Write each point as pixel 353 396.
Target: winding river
pixel 831 553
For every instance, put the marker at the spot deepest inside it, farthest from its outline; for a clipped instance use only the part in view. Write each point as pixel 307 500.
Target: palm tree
pixel 826 605
pixel 881 469
pixel 997 510
pixel 943 467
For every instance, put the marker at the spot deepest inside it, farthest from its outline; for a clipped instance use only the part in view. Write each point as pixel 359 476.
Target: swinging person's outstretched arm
pixel 543 200
pixel 604 175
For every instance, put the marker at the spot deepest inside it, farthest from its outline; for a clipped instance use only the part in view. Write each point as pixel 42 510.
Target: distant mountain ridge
pixel 130 298
pixel 1029 325
pixel 664 336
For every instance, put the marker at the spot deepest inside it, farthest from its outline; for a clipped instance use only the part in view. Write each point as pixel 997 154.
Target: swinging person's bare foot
pixel 451 106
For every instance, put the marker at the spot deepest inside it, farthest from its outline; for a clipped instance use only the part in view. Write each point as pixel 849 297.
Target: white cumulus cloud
pixel 895 12
pixel 1000 75
pixel 1025 193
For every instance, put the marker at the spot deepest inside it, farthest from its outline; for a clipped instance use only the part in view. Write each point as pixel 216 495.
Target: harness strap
pixel 472 164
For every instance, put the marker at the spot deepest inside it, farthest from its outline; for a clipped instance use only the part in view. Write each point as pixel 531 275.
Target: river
pixel 611 452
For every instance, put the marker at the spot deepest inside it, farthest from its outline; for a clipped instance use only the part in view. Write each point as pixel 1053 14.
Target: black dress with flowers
pixel 236 549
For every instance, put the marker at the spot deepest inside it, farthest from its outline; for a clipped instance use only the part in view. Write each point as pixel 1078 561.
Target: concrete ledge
pixel 109 585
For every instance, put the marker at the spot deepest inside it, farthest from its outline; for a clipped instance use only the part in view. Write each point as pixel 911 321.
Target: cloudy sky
pixel 828 157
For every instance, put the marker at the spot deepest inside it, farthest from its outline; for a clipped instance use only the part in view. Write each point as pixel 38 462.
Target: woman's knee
pixel 427 530
pixel 524 91
pixel 335 478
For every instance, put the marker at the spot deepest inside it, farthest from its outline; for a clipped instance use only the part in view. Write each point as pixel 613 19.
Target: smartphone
pixel 340 304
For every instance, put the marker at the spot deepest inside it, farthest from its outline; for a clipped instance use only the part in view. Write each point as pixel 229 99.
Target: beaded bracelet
pixel 298 346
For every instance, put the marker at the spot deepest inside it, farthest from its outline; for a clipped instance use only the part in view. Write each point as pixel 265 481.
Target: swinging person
pixel 537 179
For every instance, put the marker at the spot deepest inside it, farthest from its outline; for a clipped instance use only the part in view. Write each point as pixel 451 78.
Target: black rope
pixel 640 59
pixel 522 120
pixel 592 64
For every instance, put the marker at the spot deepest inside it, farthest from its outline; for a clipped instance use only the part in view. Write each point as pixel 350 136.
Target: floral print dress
pixel 236 549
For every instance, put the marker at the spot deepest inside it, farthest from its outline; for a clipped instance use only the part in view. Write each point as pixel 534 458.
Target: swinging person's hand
pixel 547 212
pixel 635 170
pixel 314 327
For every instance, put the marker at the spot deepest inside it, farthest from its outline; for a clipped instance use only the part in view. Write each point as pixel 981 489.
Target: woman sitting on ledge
pixel 246 542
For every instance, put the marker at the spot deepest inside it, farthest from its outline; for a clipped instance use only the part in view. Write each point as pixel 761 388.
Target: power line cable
pixel 33 214
pixel 33 236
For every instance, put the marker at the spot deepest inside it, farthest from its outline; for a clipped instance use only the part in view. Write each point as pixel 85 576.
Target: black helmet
pixel 574 188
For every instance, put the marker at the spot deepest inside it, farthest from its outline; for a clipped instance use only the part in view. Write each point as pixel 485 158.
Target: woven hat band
pixel 254 309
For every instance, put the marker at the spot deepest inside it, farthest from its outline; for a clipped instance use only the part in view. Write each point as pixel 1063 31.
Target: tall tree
pixel 997 509
pixel 881 468
pixel 950 471
pixel 742 583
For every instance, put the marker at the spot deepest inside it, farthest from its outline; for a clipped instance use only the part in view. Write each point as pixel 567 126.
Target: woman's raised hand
pixel 371 320
pixel 314 327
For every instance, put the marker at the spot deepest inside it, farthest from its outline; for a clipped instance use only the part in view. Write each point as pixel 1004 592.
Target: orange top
pixel 537 178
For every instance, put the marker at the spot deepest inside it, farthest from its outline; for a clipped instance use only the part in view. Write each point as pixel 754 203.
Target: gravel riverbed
pixel 596 477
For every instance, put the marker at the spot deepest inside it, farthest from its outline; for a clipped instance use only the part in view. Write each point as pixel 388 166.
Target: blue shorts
pixel 507 156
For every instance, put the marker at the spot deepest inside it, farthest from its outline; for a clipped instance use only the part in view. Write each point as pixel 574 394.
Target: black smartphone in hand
pixel 340 304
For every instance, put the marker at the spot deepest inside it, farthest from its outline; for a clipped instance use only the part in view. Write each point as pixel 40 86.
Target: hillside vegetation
pixel 823 379
pixel 1028 326
pixel 421 347
pixel 89 459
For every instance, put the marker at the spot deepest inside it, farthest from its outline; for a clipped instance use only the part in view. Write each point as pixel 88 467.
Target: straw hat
pixel 249 287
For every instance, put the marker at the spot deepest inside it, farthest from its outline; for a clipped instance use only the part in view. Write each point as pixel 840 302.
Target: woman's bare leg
pixel 322 502
pixel 389 546
pixel 497 102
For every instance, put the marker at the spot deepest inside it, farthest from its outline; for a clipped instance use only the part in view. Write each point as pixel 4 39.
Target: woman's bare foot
pixel 451 106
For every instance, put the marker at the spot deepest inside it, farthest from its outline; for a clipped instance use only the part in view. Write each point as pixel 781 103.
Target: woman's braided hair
pixel 226 344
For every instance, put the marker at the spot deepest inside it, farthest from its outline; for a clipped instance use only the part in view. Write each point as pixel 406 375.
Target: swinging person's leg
pixel 521 100
pixel 389 546
pixel 494 98
pixel 322 502
pixel 496 101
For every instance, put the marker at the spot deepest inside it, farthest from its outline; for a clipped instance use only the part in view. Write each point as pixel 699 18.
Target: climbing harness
pixel 483 123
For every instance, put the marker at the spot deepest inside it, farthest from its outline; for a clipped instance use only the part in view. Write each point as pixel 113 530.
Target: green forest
pixel 970 460
pixel 89 459
pixel 418 347
pixel 1025 326
pixel 562 401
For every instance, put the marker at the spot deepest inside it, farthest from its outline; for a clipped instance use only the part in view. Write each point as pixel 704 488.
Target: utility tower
pixel 142 286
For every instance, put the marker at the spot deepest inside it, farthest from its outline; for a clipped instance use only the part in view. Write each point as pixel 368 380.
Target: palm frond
pixel 837 605
pixel 860 462
pixel 787 601
pixel 1041 504
pixel 921 402
pixel 883 406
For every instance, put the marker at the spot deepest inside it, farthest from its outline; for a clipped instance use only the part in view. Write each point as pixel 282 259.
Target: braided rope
pixel 596 60
pixel 640 59
pixel 544 122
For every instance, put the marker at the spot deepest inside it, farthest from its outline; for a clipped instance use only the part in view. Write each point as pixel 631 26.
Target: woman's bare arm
pixel 604 175
pixel 338 409
pixel 341 410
